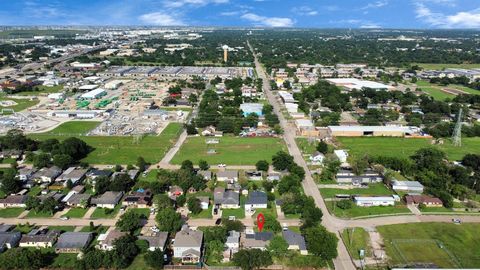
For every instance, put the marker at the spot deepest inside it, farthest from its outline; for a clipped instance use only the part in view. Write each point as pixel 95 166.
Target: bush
pixel 345 204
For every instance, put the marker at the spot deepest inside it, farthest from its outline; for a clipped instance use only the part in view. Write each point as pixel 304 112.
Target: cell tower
pixel 457 132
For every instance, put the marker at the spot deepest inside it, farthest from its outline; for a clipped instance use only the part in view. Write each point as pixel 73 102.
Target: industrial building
pixel 94 94
pixel 248 108
pixel 359 131
pixel 349 84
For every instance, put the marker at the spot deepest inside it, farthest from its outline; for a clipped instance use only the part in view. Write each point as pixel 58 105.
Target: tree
pixel 141 164
pixel 69 184
pixel 121 182
pixel 203 165
pixel 154 259
pixel 129 222
pixel 344 204
pixel 215 251
pixel 101 184
pixel 233 225
pixel 49 205
pixel 322 147
pixel 278 247
pixel 75 148
pixel 322 243
pixel 271 224
pixel 23 258
pixel 124 251
pixel 41 160
pixel 282 160
pixel 250 259
pixel 10 185
pixel 32 203
pixel 62 161
pixel 168 220
pixel 187 165
pixel 181 200
pixel 359 165
pixel 262 165
pixel 194 205
pixel 311 214
pixel 161 201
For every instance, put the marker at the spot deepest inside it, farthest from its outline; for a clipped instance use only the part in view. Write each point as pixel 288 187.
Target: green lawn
pixel 24 228
pixel 126 149
pixel 372 190
pixel 358 211
pixel 138 263
pixel 444 66
pixel 444 244
pixel 11 212
pixel 98 229
pixel 34 191
pixel 404 147
pixel 76 212
pixel 464 88
pixel 64 261
pixel 434 91
pixel 207 213
pixel 40 214
pixel 21 105
pixel 142 211
pixel 150 177
pixel 62 228
pixel 74 128
pixel 238 213
pixel 105 212
pixel 230 150
pixel 42 90
pixel 356 239
pixel 305 146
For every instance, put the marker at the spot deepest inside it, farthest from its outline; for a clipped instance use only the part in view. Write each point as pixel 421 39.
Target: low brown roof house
pixel 423 199
pixel 156 241
pixel 106 240
pixel 140 198
pixel 39 238
pixel 13 201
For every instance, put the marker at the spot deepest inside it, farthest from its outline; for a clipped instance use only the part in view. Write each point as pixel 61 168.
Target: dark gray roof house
pixel 257 197
pixel 207 175
pixel 108 199
pixel 227 199
pixel 9 240
pixel 97 173
pixel 73 242
pixel 295 241
pixel 156 241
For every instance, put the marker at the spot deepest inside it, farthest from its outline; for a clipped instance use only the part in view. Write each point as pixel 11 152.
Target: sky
pixel 453 14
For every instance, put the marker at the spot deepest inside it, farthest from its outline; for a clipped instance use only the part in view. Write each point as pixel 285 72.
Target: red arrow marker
pixel 260 221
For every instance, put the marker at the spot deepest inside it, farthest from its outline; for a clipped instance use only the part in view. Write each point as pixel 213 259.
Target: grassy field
pixel 372 190
pixel 464 88
pixel 42 90
pixel 11 212
pixel 230 150
pixel 64 261
pixel 125 149
pixel 355 240
pixel 358 211
pixel 73 128
pixel 76 213
pixel 434 91
pixel 446 245
pixel 40 214
pixel 22 104
pixel 62 228
pixel 206 213
pixel 402 147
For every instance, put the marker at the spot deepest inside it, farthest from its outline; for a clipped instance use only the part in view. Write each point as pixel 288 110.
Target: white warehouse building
pixel 94 94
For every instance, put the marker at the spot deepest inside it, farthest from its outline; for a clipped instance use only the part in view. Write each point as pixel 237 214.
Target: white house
pixel 188 245
pixel 317 158
pixel 412 186
pixel 375 201
pixel 342 155
pixel 256 200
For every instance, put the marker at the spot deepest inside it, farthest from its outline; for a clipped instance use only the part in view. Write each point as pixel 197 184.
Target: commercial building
pixel 94 94
pixel 359 131
pixel 376 201
pixel 410 186
pixel 349 84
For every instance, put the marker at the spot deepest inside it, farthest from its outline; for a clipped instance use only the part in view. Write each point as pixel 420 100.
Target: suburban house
pixel 140 198
pixel 105 240
pixel 273 177
pixel 232 245
pixel 79 200
pixel 25 174
pixel 39 238
pixel 73 242
pixel 256 200
pixel 73 174
pixel 174 192
pixel 12 153
pixel 47 175
pixel 188 245
pixel 342 155
pixel 423 199
pixel 204 202
pixel 9 240
pixel 295 241
pixel 133 174
pixel 348 177
pixel 376 201
pixel 408 186
pixel 207 175
pixel 93 174
pixel 156 241
pixel 317 158
pixel 226 199
pixel 227 176
pixel 108 199
pixel 254 175
pixel 13 201
pixel 258 240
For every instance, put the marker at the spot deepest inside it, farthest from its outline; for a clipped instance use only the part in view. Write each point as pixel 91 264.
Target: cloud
pixel 370 25
pixel 161 18
pixel 376 4
pixel 229 13
pixel 462 19
pixel 193 3
pixel 304 11
pixel 268 21
pixel 37 10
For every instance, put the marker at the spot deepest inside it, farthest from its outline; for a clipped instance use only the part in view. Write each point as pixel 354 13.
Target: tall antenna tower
pixel 457 132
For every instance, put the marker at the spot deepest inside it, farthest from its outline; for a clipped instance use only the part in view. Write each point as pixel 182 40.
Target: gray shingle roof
pixel 257 197
pixel 73 240
pixel 294 238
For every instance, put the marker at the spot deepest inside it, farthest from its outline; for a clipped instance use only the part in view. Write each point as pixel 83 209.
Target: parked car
pixel 456 221
pixel 64 218
pixel 218 221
